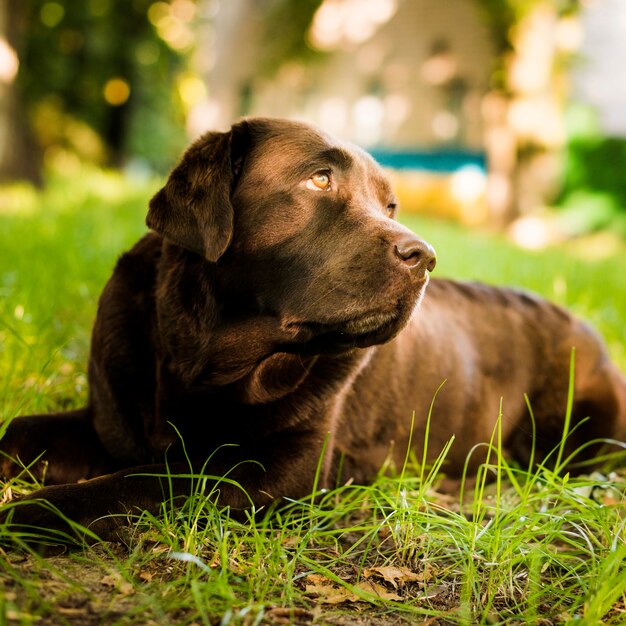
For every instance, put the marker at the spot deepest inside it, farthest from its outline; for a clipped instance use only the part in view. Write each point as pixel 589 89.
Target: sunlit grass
pixel 555 550
pixel 530 545
pixel 55 256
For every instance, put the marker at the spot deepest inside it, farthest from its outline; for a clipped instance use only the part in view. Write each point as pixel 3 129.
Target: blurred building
pixel 403 74
pixel 405 80
pixel 412 81
pixel 400 73
pixel 598 76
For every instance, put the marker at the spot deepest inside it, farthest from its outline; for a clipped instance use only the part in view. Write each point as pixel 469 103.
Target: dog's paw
pixel 58 515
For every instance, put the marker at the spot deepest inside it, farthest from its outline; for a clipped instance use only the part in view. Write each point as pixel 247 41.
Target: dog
pixel 277 313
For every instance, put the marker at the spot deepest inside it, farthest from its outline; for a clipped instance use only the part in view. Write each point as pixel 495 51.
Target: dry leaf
pixel 116 581
pixel 378 590
pixel 126 588
pixel 110 580
pixel 396 576
pixel 318 578
pixel 329 592
pixel 291 542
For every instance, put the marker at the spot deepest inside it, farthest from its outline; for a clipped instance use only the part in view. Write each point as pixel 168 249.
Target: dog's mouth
pixel 358 332
pixel 371 323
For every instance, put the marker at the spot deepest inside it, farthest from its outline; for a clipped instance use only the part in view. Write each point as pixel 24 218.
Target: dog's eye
pixel 391 209
pixel 320 181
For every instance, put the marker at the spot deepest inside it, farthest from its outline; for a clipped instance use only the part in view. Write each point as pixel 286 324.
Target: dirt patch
pixel 107 585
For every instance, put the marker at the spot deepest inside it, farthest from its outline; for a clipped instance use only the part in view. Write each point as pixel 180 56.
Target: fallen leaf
pixel 329 592
pixel 116 581
pixel 396 576
pixel 291 542
pixel 378 590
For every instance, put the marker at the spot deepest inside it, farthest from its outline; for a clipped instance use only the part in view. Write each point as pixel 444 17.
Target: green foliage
pixel 597 164
pixel 594 191
pixel 283 44
pixel 542 546
pixel 57 249
pixel 68 53
pixel 593 196
pixel 501 17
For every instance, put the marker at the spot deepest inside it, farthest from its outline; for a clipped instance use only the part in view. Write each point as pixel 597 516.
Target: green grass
pixel 533 546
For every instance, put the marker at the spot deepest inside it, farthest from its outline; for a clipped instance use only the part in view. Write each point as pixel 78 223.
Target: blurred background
pixel 506 114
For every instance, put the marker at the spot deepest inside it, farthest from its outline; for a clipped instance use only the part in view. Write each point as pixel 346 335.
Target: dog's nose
pixel 415 253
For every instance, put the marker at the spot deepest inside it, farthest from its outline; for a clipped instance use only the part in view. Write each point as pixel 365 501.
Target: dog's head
pixel 301 226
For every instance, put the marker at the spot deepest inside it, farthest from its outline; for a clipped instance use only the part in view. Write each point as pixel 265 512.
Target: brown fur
pixel 264 312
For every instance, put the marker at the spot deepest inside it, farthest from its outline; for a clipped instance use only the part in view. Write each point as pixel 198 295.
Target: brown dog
pixel 275 307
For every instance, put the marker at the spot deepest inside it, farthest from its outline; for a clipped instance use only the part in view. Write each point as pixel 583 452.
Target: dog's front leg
pixel 232 478
pixel 55 448
pixel 59 514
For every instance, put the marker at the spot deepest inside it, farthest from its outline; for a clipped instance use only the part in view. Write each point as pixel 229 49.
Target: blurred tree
pixel 287 44
pixel 91 75
pixel 109 79
pixel 525 135
pixel 20 157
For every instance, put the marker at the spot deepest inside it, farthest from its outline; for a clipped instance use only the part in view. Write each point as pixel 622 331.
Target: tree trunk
pixel 20 156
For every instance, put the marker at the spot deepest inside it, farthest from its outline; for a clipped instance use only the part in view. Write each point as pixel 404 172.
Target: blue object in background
pixel 441 161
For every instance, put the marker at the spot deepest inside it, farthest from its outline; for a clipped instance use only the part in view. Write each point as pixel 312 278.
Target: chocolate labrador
pixel 274 326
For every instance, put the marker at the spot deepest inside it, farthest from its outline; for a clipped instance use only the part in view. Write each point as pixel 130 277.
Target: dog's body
pixel 273 308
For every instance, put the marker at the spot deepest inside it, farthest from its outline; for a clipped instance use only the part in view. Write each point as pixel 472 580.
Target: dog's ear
pixel 194 209
pixel 274 378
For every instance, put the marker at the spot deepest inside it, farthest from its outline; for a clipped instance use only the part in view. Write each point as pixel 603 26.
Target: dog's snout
pixel 416 253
